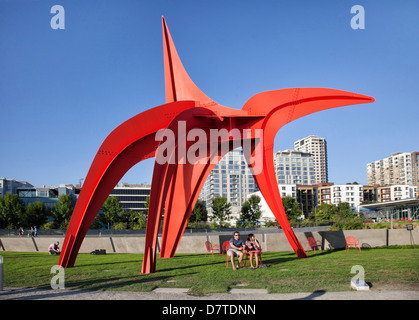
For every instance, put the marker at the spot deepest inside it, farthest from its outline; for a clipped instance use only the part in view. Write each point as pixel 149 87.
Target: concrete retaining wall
pixel 400 236
pixel 129 244
pixel 42 243
pixel 271 242
pixel 18 244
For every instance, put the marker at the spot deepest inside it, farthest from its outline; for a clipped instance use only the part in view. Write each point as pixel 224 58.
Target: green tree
pixel 221 210
pixel 291 207
pixel 62 211
pixel 325 212
pixel 129 219
pixel 251 210
pixel 341 216
pixel 36 214
pixel 199 212
pixel 345 219
pixel 96 224
pixel 344 210
pixel 111 210
pixel 139 221
pixel 147 203
pixel 11 211
pixel 122 220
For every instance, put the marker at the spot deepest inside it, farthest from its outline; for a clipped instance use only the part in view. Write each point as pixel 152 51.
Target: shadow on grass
pixel 141 283
pixel 102 264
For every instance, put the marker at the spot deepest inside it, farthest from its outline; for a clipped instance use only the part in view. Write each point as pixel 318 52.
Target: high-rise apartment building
pixel 294 167
pixel 317 147
pixel 398 169
pixel 230 178
pixel 415 161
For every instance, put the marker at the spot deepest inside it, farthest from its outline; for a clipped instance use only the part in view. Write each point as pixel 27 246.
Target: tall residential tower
pixel 399 168
pixel 317 147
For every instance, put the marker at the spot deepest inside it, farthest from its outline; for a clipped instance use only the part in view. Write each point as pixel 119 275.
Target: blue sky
pixel 63 91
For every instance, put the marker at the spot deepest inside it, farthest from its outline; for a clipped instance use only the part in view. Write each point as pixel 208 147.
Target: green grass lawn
pixel 385 268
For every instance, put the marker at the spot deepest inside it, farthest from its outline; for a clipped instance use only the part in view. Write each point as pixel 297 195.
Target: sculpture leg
pixel 177 206
pixel 282 107
pixel 268 186
pixel 186 185
pixel 186 182
pixel 130 143
pixel 155 210
pixel 93 195
pixel 166 191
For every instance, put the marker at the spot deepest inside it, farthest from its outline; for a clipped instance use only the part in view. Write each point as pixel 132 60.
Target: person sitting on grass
pixel 236 249
pixel 54 248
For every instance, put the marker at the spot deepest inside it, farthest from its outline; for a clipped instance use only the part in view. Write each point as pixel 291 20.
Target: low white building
pixel 401 192
pixel 396 192
pixel 337 193
pixel 284 190
pixel 132 196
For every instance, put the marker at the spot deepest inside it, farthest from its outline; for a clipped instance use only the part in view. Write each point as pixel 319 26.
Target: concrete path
pixel 181 294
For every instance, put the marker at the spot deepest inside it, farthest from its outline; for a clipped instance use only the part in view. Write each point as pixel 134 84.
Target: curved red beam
pixel 281 107
pixel 130 143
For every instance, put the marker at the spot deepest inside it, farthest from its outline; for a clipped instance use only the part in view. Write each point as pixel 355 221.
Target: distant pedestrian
pixel 20 232
pixel 35 231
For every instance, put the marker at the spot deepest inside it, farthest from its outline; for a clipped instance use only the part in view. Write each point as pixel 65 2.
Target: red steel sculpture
pixel 192 126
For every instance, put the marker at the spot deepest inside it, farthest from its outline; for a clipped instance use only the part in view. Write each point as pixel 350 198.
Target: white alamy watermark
pixel 58 20
pixel 358 280
pixel 191 147
pixel 58 280
pixel 358 20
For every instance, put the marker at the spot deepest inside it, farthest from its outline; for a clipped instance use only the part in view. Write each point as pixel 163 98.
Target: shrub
pixel 347 224
pixel 47 226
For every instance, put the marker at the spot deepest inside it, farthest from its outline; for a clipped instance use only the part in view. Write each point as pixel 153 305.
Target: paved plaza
pixel 182 294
